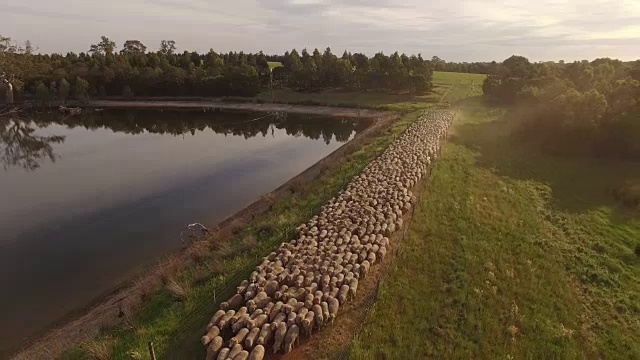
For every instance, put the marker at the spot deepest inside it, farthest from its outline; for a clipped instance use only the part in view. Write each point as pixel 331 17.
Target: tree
pixel 28 48
pixel 133 47
pixel 63 90
pixel 127 93
pixel 81 87
pixel 104 47
pixel 167 47
pixel 42 94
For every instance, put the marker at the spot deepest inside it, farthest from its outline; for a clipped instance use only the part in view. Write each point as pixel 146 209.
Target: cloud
pixel 457 30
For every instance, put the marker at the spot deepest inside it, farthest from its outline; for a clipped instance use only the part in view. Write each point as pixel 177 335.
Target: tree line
pixel 463 67
pixel 104 71
pixel 583 107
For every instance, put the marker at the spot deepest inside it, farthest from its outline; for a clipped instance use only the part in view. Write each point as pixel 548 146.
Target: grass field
pixel 512 255
pixel 274 64
pixel 448 88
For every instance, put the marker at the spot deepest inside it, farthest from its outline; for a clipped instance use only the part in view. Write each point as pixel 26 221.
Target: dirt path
pixel 298 109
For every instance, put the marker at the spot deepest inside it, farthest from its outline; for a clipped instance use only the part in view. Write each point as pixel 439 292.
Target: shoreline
pixel 85 322
pixel 214 104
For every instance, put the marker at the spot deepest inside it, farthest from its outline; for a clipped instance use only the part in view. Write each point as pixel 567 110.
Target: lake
pixel 87 201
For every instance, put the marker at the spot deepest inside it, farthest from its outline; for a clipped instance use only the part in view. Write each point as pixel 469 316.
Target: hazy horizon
pixel 478 30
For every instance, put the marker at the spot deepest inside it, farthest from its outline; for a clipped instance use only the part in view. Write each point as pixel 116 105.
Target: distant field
pixel 449 86
pixel 512 255
pixel 274 64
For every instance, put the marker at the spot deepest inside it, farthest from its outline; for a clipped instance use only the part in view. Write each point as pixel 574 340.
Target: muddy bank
pixel 111 308
pixel 298 109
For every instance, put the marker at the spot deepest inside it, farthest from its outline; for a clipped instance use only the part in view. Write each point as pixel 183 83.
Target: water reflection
pixel 19 146
pixel 23 147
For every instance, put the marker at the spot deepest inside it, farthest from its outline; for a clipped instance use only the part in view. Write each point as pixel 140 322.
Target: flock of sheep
pixel 302 285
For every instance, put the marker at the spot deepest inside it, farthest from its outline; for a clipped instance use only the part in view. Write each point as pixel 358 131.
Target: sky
pixel 454 30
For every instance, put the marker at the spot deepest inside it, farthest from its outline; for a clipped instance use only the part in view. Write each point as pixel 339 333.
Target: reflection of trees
pixel 20 147
pixel 227 123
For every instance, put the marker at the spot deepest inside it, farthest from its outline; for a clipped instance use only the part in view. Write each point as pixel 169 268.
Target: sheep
pixel 257 353
pixel 240 323
pixel 225 320
pixel 291 338
pixel 242 311
pixel 271 287
pixel 267 309
pixel 308 322
pixel 325 310
pixel 242 355
pixel 342 295
pixel 215 345
pixel 319 317
pixel 223 354
pixel 239 337
pixel 260 301
pixel 275 310
pixel 243 287
pixel 234 303
pixel 291 319
pixel 258 321
pixel 364 268
pixel 277 320
pixel 353 288
pixel 256 313
pixel 235 350
pixel 334 306
pixel 215 319
pixel 251 338
pixel 265 335
pixel 281 332
pixel 213 332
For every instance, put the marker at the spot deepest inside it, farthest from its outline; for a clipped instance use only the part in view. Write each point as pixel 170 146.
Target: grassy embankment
pixel 512 255
pixel 174 318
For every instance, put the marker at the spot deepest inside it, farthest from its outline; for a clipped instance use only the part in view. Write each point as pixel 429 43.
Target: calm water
pixel 86 201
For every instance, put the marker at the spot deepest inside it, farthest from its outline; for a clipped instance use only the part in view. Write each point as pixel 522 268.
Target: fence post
pixel 152 353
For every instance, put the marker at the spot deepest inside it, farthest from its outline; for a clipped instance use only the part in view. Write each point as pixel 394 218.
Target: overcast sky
pixel 455 30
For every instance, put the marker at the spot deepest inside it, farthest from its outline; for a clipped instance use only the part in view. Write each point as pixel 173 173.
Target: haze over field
pixel 468 30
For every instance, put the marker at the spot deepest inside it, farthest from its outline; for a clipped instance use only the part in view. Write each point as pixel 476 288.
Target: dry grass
pixel 100 349
pixel 224 249
pixel 177 290
pixel 170 267
pixel 248 243
pixel 204 273
pixel 199 251
pixel 297 186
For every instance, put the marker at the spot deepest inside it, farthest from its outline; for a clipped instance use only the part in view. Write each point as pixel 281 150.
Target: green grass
pixel 448 88
pixel 512 254
pixel 176 326
pixel 274 64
